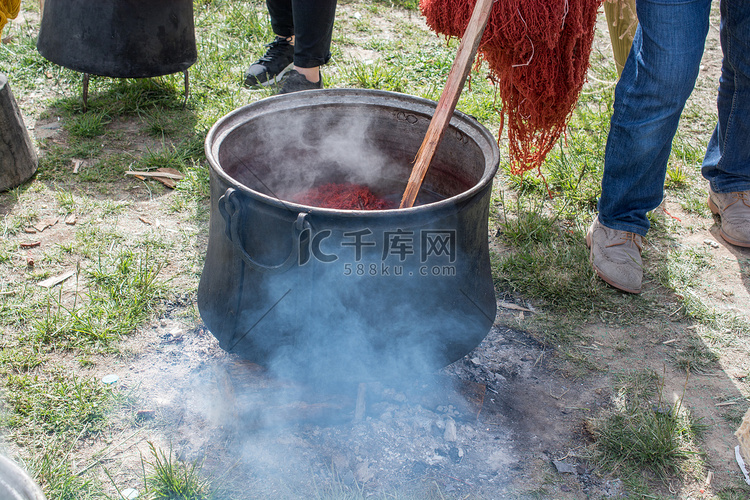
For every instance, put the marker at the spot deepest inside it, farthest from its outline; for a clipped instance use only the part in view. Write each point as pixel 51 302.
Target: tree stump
pixel 18 160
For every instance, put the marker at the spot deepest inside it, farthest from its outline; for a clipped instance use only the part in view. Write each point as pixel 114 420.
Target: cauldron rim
pixel 227 123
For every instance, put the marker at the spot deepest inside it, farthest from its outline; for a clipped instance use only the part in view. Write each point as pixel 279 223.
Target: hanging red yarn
pixel 538 54
pixel 342 197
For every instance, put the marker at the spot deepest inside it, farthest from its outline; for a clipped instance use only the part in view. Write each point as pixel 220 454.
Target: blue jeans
pixel 656 81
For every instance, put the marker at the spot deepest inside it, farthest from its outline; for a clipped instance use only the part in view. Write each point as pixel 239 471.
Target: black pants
pixel 311 23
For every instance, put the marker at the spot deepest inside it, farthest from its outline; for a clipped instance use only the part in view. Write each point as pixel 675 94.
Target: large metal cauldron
pixel 347 293
pixel 119 38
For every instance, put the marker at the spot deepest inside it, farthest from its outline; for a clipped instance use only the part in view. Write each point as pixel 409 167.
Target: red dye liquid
pixel 342 197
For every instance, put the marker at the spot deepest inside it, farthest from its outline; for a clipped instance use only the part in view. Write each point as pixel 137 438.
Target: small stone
pixel 363 473
pixel 129 494
pixel 564 468
pixel 451 432
pixel 711 243
pixel 110 379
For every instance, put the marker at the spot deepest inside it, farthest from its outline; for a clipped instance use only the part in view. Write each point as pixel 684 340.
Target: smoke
pixel 349 322
pixel 293 152
pixel 283 435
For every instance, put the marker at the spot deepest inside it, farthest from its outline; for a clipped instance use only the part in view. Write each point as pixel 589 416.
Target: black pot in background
pixel 119 38
pixel 347 293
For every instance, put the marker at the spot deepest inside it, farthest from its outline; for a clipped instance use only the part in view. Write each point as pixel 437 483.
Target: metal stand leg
pixel 85 92
pixel 187 89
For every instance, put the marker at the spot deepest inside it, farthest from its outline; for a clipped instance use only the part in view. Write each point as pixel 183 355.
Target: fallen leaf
pixel 30 244
pixel 45 223
pixel 55 280
pixel 511 305
pixel 170 181
pixel 167 176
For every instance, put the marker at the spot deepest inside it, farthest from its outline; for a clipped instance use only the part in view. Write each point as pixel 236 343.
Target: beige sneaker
pixel 734 210
pixel 616 256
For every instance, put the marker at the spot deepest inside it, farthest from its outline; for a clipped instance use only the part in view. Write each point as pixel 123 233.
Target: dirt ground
pixel 506 421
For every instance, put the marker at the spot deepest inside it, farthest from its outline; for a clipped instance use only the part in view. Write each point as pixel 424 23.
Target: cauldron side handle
pixel 230 206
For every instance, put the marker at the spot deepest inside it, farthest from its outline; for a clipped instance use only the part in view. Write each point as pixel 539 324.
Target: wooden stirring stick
pixel 467 49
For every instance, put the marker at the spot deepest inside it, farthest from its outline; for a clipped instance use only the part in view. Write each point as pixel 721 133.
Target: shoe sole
pixel 600 274
pixel 715 210
pixel 272 81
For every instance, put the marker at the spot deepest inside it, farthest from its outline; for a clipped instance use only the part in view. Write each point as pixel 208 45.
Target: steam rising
pixel 295 153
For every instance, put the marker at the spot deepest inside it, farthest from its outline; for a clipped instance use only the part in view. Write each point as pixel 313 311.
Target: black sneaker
pixel 294 81
pixel 273 65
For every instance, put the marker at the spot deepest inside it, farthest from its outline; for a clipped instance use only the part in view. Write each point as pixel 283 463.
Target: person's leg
pixel 658 77
pixel 313 29
pixel 727 162
pixel 282 18
pixel 726 165
pixel 278 59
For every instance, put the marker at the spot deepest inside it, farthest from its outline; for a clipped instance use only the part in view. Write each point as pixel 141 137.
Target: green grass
pixel 57 404
pixel 695 356
pixel 645 433
pixel 375 75
pixel 547 261
pixel 15 223
pixel 168 478
pixel 53 471
pixel 164 157
pixel 20 359
pixel 736 493
pixel 122 294
pixel 87 125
